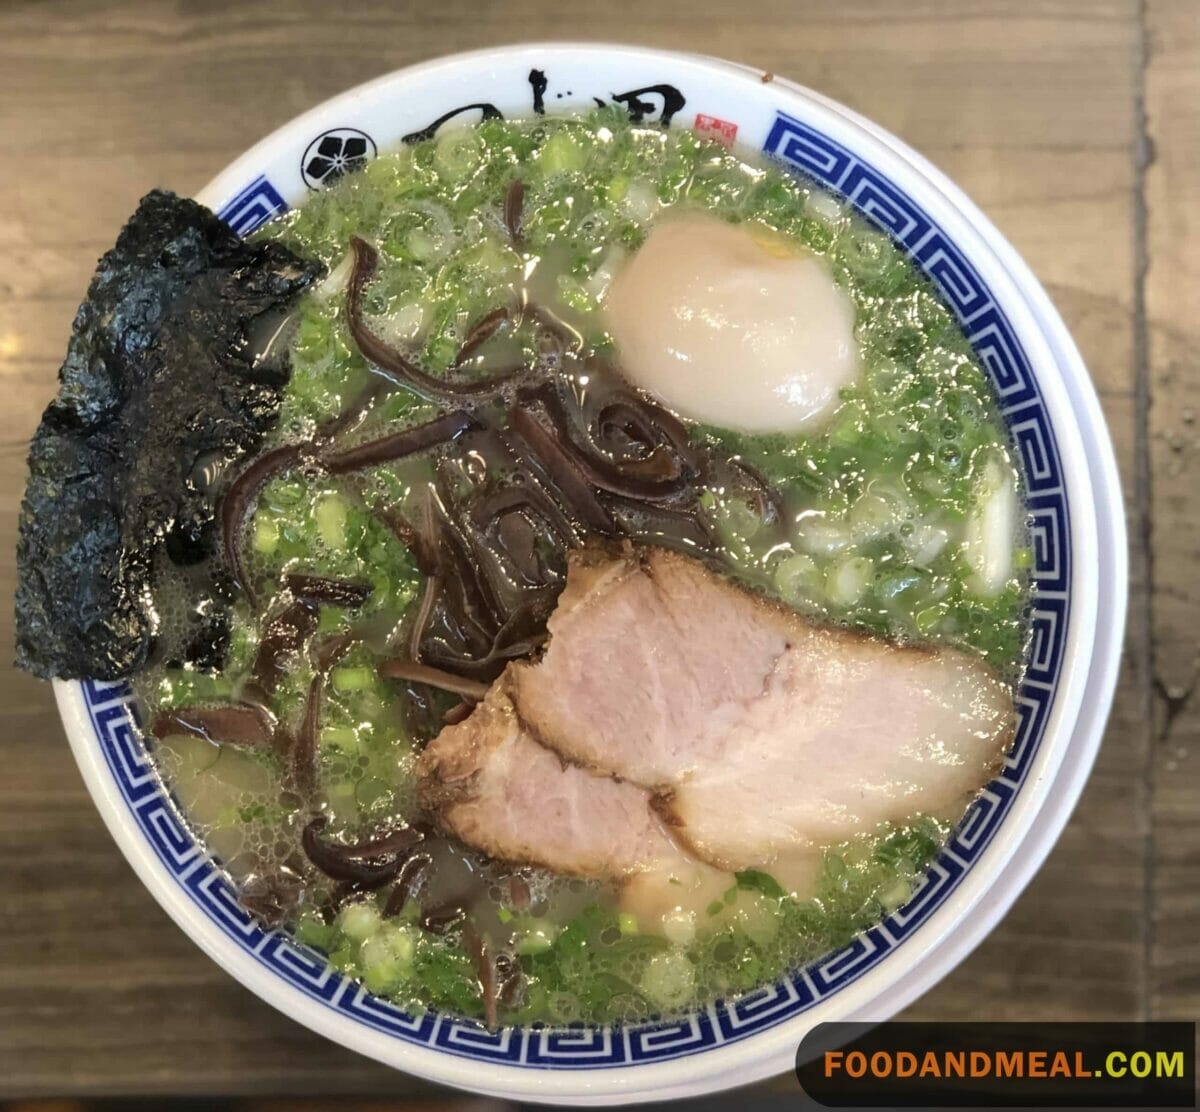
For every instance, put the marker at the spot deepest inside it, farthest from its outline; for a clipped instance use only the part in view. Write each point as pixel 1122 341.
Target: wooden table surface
pixel 1076 127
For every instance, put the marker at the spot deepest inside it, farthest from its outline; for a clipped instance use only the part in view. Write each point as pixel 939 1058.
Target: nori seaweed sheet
pixel 164 385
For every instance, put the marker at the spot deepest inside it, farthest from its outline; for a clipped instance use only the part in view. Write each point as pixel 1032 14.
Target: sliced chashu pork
pixel 499 789
pixel 669 693
pixel 758 731
pixel 495 786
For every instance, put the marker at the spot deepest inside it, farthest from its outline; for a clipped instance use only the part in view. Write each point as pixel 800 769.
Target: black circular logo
pixel 341 150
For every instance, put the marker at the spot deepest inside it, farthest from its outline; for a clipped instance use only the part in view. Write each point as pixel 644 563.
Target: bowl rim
pixel 1090 664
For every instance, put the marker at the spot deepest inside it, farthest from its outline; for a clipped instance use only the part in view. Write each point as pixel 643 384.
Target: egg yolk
pixel 727 327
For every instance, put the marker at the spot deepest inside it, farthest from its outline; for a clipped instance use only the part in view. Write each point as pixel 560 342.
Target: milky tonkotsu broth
pixel 801 351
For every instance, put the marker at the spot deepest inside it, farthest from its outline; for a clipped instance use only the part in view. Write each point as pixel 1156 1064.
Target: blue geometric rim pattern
pixel 813 154
pixel 253 207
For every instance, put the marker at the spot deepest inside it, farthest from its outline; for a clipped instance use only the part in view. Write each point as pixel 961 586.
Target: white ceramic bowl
pixel 1079 543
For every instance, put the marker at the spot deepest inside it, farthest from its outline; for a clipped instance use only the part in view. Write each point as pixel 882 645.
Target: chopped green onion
pixel 330 514
pixel 360 921
pixel 353 679
pixel 755 880
pixel 340 737
pixel 266 534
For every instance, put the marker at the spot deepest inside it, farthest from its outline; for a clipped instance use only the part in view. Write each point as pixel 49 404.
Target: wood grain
pixel 1035 108
pixel 1172 344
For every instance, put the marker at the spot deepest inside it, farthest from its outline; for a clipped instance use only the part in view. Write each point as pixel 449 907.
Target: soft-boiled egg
pixel 729 327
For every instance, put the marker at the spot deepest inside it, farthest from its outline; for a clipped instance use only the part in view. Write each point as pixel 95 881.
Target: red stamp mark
pixel 709 127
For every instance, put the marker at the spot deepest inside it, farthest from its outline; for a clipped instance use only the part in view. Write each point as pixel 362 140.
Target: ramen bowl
pixel 1078 553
